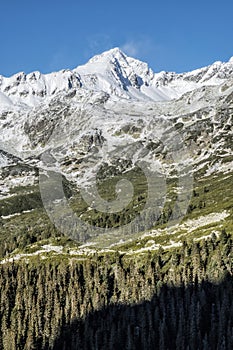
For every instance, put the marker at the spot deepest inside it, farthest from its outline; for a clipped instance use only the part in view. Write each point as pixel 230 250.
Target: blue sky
pixel 170 35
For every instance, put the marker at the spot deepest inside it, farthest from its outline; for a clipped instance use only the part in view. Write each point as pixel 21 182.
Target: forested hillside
pixel 174 299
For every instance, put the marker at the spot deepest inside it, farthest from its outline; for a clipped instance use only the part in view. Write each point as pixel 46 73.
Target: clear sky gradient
pixel 170 35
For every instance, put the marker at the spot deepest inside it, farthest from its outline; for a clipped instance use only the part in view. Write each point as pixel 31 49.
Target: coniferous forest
pixel 175 299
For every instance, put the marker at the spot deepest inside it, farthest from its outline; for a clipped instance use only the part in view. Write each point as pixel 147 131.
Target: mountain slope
pixel 111 119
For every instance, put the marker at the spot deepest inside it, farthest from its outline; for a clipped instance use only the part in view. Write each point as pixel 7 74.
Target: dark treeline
pixel 176 299
pixel 191 317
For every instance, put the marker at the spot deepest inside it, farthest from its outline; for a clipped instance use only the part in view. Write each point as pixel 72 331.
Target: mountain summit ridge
pixel 114 73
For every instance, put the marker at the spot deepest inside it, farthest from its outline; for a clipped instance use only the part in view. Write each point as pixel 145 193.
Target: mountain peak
pixel 114 53
pixel 117 74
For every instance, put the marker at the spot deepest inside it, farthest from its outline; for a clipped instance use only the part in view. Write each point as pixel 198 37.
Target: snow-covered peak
pixel 117 57
pixel 116 73
pixel 109 55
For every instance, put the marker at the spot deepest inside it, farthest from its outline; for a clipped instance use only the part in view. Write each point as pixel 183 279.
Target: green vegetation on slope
pixel 211 194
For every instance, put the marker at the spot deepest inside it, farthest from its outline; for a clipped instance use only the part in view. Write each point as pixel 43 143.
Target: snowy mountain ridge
pixel 111 72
